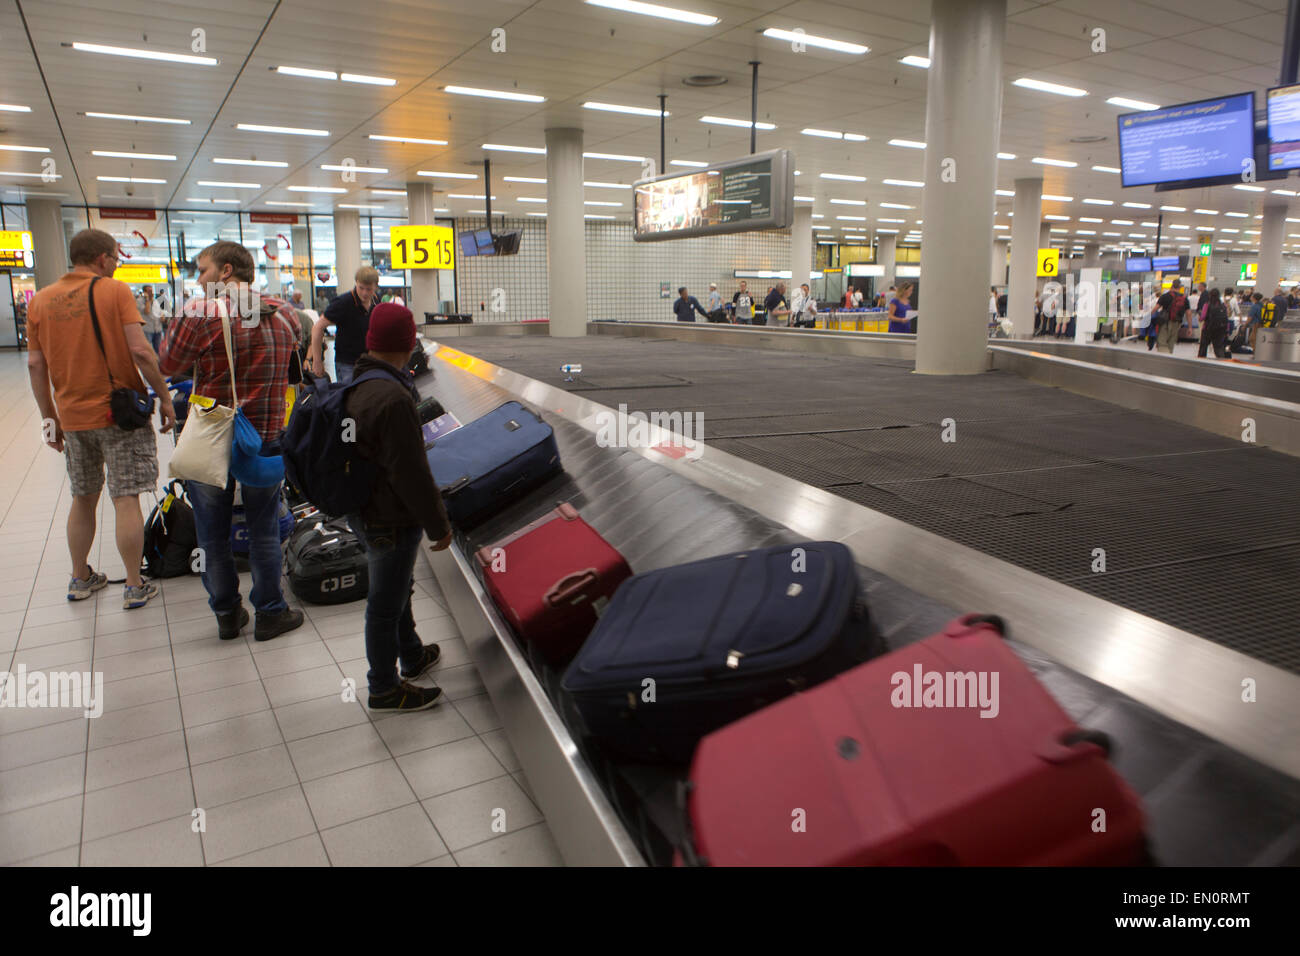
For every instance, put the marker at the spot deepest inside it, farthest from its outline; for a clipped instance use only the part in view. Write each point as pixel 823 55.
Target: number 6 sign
pixel 422 247
pixel 1048 262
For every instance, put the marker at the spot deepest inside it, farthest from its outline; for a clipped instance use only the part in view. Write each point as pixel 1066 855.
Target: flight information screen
pixel 1284 127
pixel 1192 141
pixel 753 193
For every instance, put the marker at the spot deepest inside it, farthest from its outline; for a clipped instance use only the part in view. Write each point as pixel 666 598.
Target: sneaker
pixel 133 598
pixel 81 588
pixel 430 657
pixel 406 697
pixel 273 625
pixel 231 623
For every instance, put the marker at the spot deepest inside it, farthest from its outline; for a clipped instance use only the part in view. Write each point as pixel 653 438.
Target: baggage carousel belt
pixel 1198 531
pixel 1207 804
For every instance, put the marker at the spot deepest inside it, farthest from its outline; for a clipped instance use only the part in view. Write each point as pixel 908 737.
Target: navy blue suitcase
pixel 720 639
pixel 493 461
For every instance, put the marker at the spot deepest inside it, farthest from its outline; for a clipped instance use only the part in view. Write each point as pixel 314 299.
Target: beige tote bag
pixel 203 450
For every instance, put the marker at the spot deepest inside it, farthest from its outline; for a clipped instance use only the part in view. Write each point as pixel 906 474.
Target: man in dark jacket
pixel 404 506
pixel 686 305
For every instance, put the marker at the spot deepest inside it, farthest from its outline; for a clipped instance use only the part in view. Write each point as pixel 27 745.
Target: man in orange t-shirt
pixel 65 357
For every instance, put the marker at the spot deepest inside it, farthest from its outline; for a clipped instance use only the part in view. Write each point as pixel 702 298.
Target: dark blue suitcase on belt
pixel 485 465
pixel 720 639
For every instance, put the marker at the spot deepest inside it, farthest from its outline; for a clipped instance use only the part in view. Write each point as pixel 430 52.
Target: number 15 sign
pixel 422 247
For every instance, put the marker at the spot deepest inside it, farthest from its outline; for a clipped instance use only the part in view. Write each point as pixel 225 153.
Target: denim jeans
pixel 390 625
pixel 343 371
pixel 212 518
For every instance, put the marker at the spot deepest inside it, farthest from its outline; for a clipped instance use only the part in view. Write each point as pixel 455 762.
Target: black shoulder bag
pixel 129 409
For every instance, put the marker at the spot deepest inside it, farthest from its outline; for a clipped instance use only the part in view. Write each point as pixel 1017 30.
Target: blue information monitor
pixel 1284 127
pixel 1165 263
pixel 1192 141
pixel 1138 264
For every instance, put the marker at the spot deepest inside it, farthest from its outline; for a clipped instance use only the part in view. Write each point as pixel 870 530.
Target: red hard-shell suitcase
pixel 551 580
pixel 846 775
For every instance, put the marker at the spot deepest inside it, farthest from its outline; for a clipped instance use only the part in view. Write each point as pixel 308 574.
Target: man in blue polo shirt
pixel 350 315
pixel 686 306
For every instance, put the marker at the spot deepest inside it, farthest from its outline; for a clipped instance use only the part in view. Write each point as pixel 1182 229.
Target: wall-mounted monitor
pixel 1182 144
pixel 740 195
pixel 1283 104
pixel 1165 263
pixel 506 244
pixel 483 237
pixel 468 243
pixel 1138 264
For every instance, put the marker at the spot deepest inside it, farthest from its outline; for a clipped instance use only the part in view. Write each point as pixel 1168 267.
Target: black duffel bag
pixel 170 536
pixel 327 561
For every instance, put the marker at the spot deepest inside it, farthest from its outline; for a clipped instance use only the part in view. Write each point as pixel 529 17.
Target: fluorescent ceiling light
pixel 388 192
pixel 654 10
pixel 687 162
pixel 287 130
pixel 853 218
pixel 1105 169
pixel 537 214
pixel 845 177
pixel 615 108
pixel 594 216
pixel 282 202
pixel 28 175
pixel 1085 232
pixel 1003 192
pixel 128 179
pixel 1131 104
pixel 847 236
pixel 1229 230
pixel 907 143
pixel 1046 87
pixel 1121 222
pixel 839 46
pixel 433 174
pixel 1044 161
pixel 524 179
pixel 316 189
pixel 303 71
pixel 1100 202
pixel 223 185
pixel 26 149
pixel 1137 235
pixel 1055 218
pixel 823 228
pixel 368 80
pixel 1238 215
pixel 252 162
pixel 1205 228
pixel 1112 234
pixel 1206 212
pixel 824 133
pixel 599 202
pixel 818 215
pixel 139 119
pixel 1006 155
pixel 599 185
pixel 227 202
pixel 1180 227
pixel 616 157
pixel 888 232
pixel 529 199
pixel 903 182
pixel 1249 189
pixel 344 205
pixel 145 54
pixel 1060 230
pixel 804 199
pixel 911 60
pixel 849 202
pixel 892 220
pixel 495 94
pixel 1280 192
pixel 1173 209
pixel 727 121
pixel 408 139
pixel 1138 205
pixel 164 157
pixel 11 108
pixel 466 196
pixel 1054 198
pixel 852 138
pixel 541 151
pixel 1150 225
pixel 893 205
pixel 1001 227
pixel 1089 219
pixel 355 169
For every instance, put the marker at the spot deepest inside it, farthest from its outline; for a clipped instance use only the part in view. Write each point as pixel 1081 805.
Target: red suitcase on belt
pixel 551 580
pixel 846 775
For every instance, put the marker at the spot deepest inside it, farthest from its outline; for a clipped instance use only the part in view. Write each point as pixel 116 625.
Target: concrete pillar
pixel 1044 235
pixel 424 282
pixel 998 276
pixel 1269 274
pixel 1023 282
pixel 45 221
pixel 886 257
pixel 1091 255
pixel 801 246
pixel 963 123
pixel 347 248
pixel 566 250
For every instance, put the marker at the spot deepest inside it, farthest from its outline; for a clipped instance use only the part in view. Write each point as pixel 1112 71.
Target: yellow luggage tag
pixel 202 401
pixel 167 502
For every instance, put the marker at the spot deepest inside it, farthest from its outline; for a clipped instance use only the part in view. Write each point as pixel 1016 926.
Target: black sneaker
pixel 273 625
pixel 407 697
pixel 431 655
pixel 231 623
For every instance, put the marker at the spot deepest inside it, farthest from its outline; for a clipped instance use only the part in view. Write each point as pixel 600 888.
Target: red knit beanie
pixel 392 328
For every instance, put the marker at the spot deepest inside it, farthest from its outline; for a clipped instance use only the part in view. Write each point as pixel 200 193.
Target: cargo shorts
pixel 131 459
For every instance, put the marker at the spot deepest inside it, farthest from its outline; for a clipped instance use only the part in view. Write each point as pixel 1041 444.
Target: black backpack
pixel 327 561
pixel 170 536
pixel 418 363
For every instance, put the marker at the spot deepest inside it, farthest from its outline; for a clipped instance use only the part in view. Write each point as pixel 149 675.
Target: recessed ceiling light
pixel 616 157
pixel 1206 212
pixel 823 133
pixel 1003 192
pixel 1054 198
pixel 139 119
pixel 529 199
pixel 1131 104
pixel 368 80
pixel 594 216
pixel 1089 219
pixel 1044 161
pixel 500 147
pixel 728 121
pixel 11 108
pixel 600 185
pixel 1105 169
pixel 615 108
pixel 889 232
pixel 804 199
pixel 388 192
pixel 1237 215
pixel 1138 205
pixel 495 94
pixel 1249 189
pixel 1060 230
pixel 287 130
pixel 128 179
pixel 164 157
pixel 907 143
pixel 26 149
pixel 1150 225
pixel 224 185
pixel 911 60
pixel 915 184
pixel 1280 192
pixel 408 139
pixel 282 202
pixel 1100 202
pixel 1056 218
pixel 1121 222
pixel 145 54
pixel 432 174
pixel 808 39
pixel 252 162
pixel 466 196
pixel 654 10
pixel 316 189
pixel 1046 87
pixel 1085 232
pixel 849 202
pixel 601 202
pixel 687 162
pixel 845 177
pixel 1180 227
pixel 303 71
pixel 344 205
pixel 818 215
pixel 893 205
pixel 853 218
pixel 1006 155
pixel 355 169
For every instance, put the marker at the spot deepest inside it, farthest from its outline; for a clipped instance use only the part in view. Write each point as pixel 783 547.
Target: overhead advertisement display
pixel 756 192
pixel 1193 141
pixel 1284 127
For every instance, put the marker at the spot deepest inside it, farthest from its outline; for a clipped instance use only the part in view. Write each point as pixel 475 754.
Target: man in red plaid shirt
pixel 264 336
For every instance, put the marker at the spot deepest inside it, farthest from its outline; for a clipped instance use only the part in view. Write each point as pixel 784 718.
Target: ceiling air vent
pixel 704 79
pixel 1087 139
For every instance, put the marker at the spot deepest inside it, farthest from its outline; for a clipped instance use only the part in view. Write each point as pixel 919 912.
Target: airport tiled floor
pixel 257 736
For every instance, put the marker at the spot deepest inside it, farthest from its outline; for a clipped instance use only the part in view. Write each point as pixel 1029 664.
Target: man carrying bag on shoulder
pixel 1169 317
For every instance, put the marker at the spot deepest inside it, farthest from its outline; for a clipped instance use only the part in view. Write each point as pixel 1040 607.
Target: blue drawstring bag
pixel 249 466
